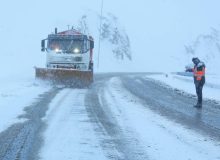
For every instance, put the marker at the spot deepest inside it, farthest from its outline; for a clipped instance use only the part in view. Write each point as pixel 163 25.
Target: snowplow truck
pixel 68 58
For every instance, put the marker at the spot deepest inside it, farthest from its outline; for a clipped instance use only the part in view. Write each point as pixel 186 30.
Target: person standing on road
pixel 199 79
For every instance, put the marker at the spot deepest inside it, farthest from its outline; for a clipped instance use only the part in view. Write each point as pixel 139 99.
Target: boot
pixel 198 105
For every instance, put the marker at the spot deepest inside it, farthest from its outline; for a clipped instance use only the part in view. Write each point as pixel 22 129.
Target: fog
pixel 158 30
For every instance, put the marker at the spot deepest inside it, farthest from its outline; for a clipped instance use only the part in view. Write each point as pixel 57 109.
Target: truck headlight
pixel 57 50
pixel 76 50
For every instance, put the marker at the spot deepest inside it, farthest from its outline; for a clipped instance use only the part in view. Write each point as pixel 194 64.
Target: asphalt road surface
pixel 118 117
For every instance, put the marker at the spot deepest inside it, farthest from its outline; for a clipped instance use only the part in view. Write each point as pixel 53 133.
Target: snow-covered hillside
pixel 159 35
pixel 206 47
pixel 115 48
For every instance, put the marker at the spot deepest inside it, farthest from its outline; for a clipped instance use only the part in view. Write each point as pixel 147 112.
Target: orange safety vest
pixel 199 74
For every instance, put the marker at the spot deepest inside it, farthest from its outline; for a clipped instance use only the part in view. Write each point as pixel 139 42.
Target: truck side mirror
pixel 91 44
pixel 43 46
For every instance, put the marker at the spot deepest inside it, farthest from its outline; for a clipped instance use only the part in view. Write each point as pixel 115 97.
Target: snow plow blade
pixel 70 77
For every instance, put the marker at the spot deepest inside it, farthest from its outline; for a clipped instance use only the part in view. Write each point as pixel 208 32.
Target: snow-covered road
pixel 121 117
pixel 108 122
pixel 70 133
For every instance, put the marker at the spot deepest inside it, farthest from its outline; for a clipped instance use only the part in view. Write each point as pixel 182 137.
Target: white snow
pixel 158 31
pixel 161 138
pixel 70 134
pixel 15 95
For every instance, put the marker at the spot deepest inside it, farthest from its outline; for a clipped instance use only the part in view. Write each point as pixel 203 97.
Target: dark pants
pixel 199 86
pixel 199 92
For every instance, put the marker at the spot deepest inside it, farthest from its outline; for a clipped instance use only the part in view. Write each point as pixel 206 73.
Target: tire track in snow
pixel 69 133
pixel 22 141
pixel 176 106
pixel 116 142
pixel 160 135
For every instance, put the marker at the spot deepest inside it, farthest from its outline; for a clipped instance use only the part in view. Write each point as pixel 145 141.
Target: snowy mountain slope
pixel 158 31
pixel 115 48
pixel 111 32
pixel 207 48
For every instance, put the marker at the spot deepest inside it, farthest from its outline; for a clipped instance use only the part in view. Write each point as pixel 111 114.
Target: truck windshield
pixel 68 46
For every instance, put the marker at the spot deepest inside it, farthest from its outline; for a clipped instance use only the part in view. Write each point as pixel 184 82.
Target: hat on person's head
pixel 195 60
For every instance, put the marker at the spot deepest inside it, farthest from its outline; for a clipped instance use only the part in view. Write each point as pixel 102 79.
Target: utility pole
pixel 100 31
